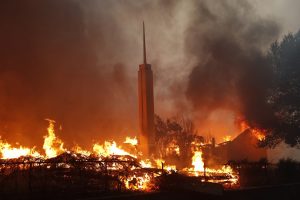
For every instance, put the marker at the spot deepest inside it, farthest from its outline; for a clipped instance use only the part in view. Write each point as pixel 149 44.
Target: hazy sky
pixel 76 62
pixel 285 12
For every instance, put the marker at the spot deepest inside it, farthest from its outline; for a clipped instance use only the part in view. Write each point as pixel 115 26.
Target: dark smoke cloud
pixel 75 61
pixel 50 68
pixel 231 71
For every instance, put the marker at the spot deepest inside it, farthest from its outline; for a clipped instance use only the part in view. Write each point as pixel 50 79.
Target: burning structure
pixel 107 166
pixel 146 104
pixel 113 166
pixel 243 147
pixel 43 75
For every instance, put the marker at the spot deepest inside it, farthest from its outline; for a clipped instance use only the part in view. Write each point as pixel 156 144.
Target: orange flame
pixel 136 182
pixel 227 138
pixel 8 152
pixel 52 145
pixel 260 135
pixel 197 161
pixel 110 148
pixel 132 141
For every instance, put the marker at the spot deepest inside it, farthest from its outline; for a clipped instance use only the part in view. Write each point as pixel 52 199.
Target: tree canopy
pixel 285 92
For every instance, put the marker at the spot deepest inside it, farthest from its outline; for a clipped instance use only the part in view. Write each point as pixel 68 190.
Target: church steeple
pixel 144 44
pixel 146 105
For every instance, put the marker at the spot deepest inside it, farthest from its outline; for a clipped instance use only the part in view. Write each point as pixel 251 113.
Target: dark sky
pixel 76 61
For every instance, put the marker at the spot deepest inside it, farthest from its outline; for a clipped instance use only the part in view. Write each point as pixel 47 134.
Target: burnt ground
pixel 283 192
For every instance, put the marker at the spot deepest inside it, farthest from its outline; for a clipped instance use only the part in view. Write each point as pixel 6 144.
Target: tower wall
pixel 146 109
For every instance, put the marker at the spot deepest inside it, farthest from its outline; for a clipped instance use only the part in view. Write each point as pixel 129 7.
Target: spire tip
pixel 144 43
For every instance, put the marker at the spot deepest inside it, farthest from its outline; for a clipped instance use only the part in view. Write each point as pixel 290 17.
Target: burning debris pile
pixel 107 167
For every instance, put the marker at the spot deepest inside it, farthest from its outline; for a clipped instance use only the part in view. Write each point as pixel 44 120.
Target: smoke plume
pixel 231 70
pixel 51 68
pixel 76 62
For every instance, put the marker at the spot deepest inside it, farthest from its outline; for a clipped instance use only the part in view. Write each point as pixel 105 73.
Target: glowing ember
pixel 136 182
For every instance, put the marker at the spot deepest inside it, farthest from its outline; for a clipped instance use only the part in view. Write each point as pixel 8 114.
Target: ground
pixel 284 192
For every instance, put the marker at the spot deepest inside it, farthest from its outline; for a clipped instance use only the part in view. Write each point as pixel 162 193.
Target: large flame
pixel 110 148
pixel 199 169
pixel 197 162
pixel 52 145
pixel 8 152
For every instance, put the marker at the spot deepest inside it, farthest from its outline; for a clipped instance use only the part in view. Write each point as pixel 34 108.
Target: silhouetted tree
pixel 175 132
pixel 285 94
pixel 288 170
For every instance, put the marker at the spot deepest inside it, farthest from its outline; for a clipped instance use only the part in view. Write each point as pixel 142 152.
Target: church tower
pixel 146 105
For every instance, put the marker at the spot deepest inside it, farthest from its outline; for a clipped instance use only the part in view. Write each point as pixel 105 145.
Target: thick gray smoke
pixel 231 70
pixel 76 61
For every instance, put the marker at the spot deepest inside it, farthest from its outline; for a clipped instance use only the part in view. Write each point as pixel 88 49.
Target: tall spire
pixel 144 44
